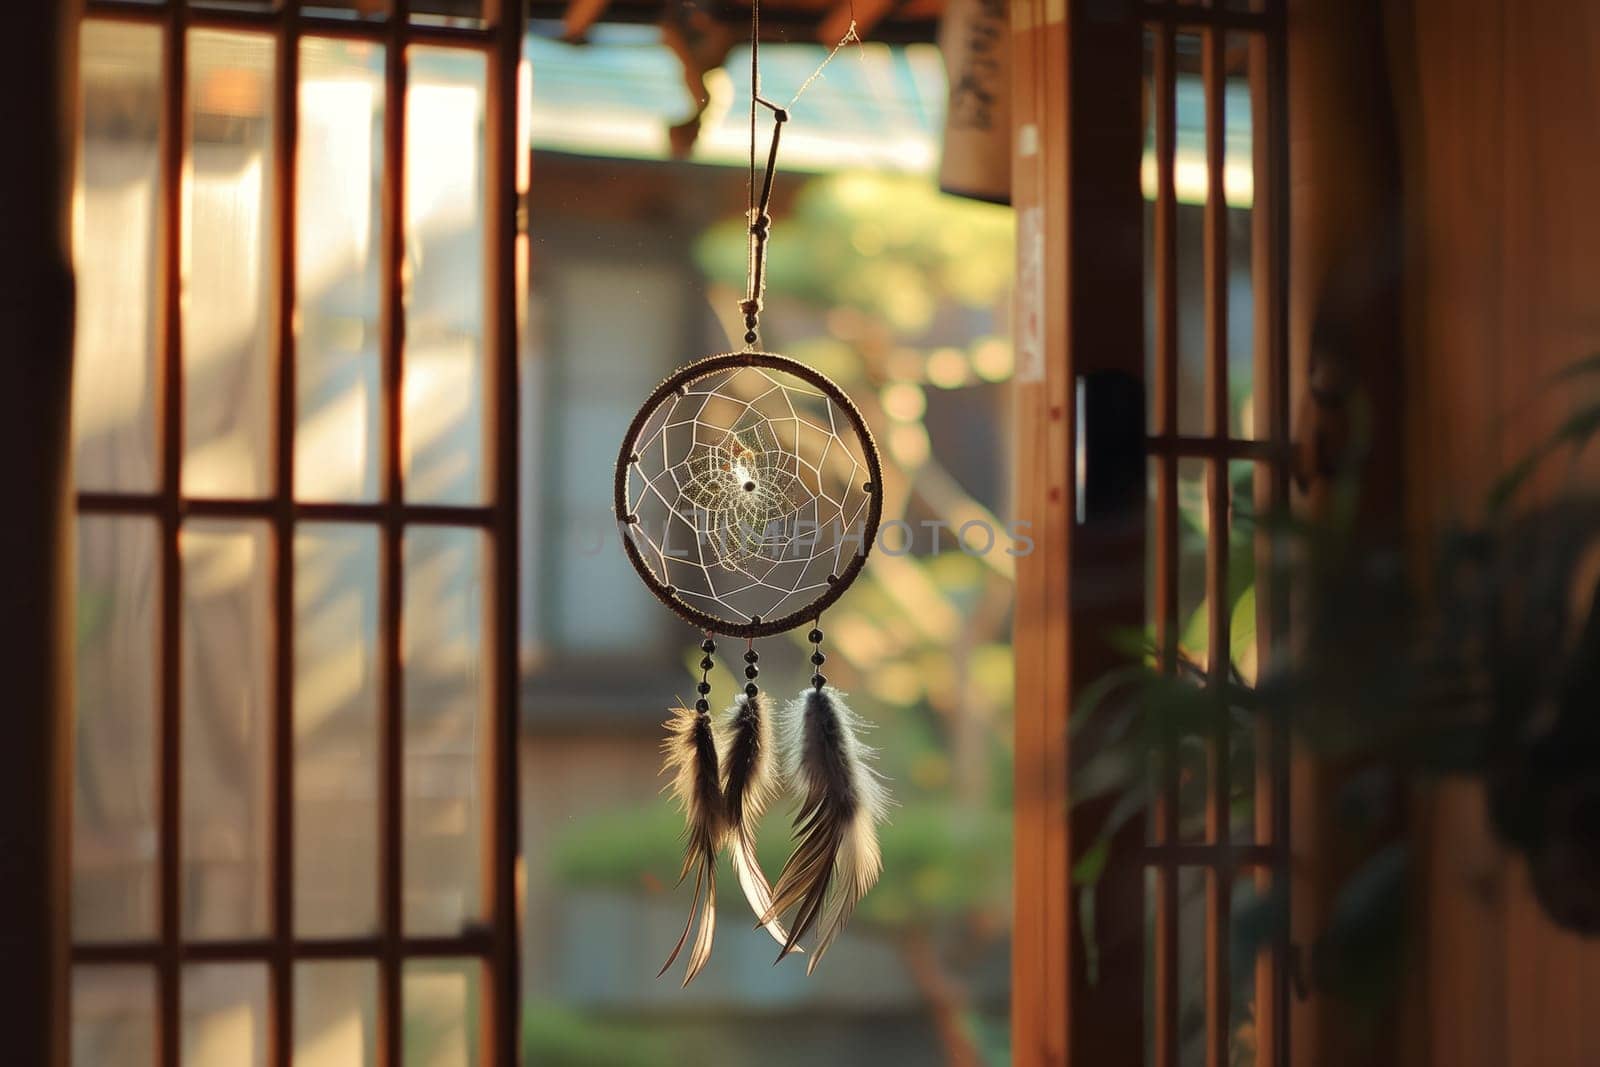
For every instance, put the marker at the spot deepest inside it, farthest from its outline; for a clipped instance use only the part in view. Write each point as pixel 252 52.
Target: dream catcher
pixel 749 492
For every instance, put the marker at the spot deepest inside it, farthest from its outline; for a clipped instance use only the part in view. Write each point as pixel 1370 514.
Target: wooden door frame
pixel 1075 179
pixel 1079 995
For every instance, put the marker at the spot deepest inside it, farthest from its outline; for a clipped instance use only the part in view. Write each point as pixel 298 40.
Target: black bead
pixel 751 690
pixel 708 646
pixel 866 487
pixel 818 680
pixel 752 671
pixel 751 656
pixel 818 658
pixel 701 706
pixel 815 637
pixel 707 663
pixel 750 337
pixel 704 688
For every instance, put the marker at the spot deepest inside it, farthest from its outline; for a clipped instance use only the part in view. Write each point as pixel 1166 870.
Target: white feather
pixel 837 859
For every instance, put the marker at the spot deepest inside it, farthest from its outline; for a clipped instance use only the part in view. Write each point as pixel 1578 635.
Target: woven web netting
pixel 751 493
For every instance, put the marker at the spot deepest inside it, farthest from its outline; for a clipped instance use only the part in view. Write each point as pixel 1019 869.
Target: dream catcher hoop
pixel 749 492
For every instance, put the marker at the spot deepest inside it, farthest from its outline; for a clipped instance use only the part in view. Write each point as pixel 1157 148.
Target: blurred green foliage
pixel 940 860
pixel 553 1036
pixel 889 245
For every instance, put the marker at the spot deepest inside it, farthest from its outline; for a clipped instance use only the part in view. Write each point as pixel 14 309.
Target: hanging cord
pixel 756 209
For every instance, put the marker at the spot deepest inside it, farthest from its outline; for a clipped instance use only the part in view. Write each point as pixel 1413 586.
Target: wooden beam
pixel 1043 482
pixel 1078 961
pixel 39 60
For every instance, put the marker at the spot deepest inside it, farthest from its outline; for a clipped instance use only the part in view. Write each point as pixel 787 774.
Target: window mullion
pixel 392 553
pixel 286 114
pixel 173 133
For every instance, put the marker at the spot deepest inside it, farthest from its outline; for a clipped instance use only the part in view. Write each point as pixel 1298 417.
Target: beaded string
pixel 817 658
pixel 751 671
pixel 708 646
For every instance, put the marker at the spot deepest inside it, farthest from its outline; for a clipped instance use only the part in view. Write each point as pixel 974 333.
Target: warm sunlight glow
pixel 442 421
pixel 1192 179
pixel 225 1035
pixel 904 402
pixel 217 561
pixel 947 368
pixel 341 1043
pixel 337 147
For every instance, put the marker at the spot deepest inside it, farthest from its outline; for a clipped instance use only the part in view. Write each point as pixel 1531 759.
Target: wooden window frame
pixel 495 942
pixel 1079 994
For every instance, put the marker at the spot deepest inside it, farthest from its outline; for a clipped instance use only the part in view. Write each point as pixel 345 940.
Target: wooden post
pixel 1077 962
pixel 38 60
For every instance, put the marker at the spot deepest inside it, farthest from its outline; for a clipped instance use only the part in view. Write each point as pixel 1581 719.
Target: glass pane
pixel 1191 627
pixel 1194 532
pixel 115 838
pixel 1152 951
pixel 338 249
pixel 335 1014
pixel 1191 967
pixel 446 699
pixel 117 255
pixel 445 361
pixel 1189 182
pixel 227 263
pixel 336 730
pixel 227 669
pixel 1239 181
pixel 1242 1033
pixel 1242 641
pixel 365 9
pixel 1190 179
pixel 1242 784
pixel 224 1015
pixel 1152 558
pixel 1194 636
pixel 441 1013
pixel 113 1017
